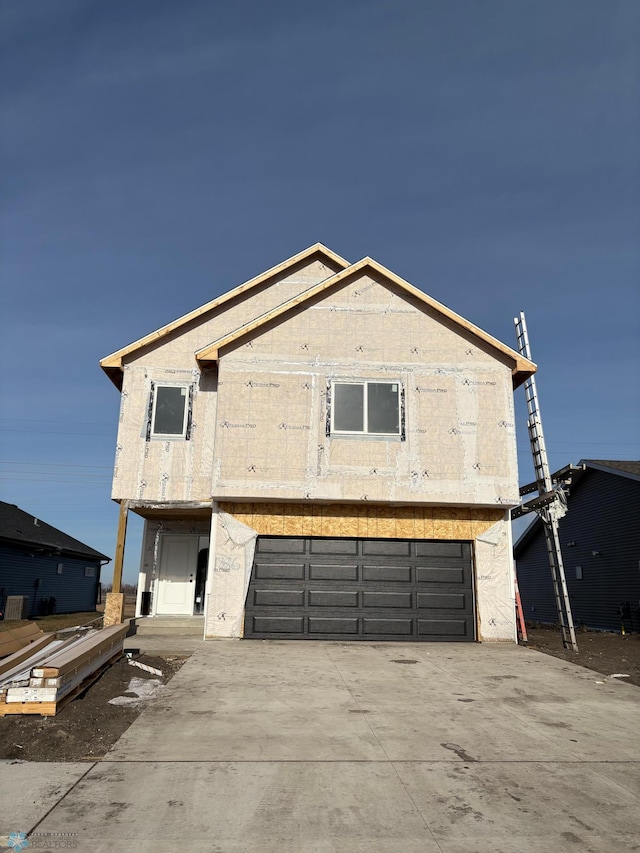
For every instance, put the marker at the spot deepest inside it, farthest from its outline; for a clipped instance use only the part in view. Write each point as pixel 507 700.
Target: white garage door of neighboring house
pixel 360 589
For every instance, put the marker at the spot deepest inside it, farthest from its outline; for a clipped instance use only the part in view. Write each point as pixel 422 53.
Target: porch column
pixel 114 603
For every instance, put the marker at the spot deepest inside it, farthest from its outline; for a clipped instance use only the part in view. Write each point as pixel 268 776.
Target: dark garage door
pixel 360 589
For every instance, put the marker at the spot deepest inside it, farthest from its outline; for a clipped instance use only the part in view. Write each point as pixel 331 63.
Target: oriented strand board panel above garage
pixel 364 520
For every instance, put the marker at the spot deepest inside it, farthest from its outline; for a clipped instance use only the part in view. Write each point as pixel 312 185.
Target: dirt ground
pixel 602 652
pixel 86 728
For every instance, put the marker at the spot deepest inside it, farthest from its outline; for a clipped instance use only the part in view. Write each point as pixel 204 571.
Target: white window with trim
pixel 169 411
pixel 366 408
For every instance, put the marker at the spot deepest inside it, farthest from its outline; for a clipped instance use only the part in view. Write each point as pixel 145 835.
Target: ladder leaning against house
pixel 551 501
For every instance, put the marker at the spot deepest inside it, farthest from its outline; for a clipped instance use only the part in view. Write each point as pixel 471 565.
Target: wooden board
pixel 24 653
pixel 17 638
pixel 45 709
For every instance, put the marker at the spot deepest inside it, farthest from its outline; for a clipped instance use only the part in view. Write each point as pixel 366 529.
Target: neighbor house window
pixel 89 571
pixel 366 408
pixel 170 407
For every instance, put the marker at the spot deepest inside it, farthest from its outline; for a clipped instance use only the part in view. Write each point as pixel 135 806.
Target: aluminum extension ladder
pixel 551 503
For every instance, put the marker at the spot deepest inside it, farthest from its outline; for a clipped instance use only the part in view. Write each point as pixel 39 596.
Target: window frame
pixel 364 433
pixel 186 415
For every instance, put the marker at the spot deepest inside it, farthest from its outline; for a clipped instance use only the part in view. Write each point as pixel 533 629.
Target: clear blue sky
pixel 157 153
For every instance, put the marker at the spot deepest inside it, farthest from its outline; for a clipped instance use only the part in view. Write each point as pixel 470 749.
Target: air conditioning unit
pixel 16 607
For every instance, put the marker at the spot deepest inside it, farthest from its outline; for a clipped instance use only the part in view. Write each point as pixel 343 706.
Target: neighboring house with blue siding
pixel 600 539
pixel 54 571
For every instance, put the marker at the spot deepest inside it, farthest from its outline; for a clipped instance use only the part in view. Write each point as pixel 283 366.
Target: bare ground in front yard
pixel 600 651
pixel 86 728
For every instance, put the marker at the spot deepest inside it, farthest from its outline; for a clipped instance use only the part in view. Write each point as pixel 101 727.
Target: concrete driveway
pixel 309 746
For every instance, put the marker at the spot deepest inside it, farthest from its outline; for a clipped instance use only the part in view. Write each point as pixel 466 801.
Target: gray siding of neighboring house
pixel 603 516
pixel 73 590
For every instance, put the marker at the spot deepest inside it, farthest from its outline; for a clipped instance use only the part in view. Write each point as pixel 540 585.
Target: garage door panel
pixel 325 625
pixel 333 573
pixel 383 547
pixel 278 571
pixel 402 600
pixel 440 575
pixel 441 549
pixel 280 545
pixel 441 601
pixel 334 546
pixel 387 574
pixel 278 597
pixel 277 624
pixel 361 590
pixel 442 627
pixel 388 627
pixel 321 598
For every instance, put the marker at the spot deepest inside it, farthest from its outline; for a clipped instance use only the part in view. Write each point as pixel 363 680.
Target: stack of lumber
pixel 41 681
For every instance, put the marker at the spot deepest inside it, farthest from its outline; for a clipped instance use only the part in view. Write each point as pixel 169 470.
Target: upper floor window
pixel 169 410
pixel 366 408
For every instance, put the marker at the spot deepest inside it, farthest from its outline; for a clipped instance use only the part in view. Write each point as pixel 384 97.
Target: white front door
pixel 177 575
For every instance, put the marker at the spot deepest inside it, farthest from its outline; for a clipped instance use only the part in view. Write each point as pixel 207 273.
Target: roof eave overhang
pixel 522 371
pixel 47 549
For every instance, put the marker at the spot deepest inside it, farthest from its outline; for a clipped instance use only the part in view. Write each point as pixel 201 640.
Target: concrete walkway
pixel 323 747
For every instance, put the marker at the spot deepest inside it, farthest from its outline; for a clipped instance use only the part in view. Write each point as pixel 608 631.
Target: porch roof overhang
pixel 159 511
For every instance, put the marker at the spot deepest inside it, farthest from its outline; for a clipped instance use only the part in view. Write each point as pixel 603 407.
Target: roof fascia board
pixel 522 367
pixel 115 359
pixel 607 470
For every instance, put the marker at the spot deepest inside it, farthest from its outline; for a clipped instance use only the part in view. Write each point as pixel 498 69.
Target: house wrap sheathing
pixel 345 465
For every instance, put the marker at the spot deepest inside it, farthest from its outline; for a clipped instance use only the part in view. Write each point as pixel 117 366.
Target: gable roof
pixel 112 364
pixel 621 467
pixel 18 527
pixel 522 367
